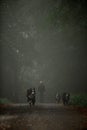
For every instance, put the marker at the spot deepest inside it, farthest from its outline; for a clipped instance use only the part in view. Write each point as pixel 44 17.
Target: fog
pixel 42 40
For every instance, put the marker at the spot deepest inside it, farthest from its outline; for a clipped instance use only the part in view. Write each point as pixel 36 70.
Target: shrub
pixel 79 100
pixel 4 101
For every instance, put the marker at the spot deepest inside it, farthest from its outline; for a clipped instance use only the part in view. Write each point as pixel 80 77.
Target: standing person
pixel 41 90
pixel 64 98
pixel 58 97
pixel 29 91
pixel 67 98
pixel 33 95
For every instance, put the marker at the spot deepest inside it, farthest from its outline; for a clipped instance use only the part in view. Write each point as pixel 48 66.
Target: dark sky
pixel 48 39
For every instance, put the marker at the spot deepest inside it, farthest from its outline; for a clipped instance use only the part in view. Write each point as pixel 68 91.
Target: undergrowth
pixel 79 100
pixel 4 101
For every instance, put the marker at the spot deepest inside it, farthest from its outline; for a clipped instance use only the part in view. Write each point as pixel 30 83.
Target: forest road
pixel 40 117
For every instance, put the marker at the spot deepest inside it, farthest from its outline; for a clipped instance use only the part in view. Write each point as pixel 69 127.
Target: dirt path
pixel 40 117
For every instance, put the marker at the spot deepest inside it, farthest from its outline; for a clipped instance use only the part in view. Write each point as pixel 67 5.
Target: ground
pixel 41 117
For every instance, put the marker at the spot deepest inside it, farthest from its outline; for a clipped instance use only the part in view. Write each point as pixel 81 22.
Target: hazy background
pixel 42 40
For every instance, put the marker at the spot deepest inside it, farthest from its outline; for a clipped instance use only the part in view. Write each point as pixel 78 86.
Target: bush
pixel 4 101
pixel 79 100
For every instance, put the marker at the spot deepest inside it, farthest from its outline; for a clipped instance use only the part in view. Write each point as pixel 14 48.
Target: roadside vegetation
pixel 79 100
pixel 4 101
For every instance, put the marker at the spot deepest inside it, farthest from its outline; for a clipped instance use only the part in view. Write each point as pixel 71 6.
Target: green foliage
pixel 4 101
pixel 79 100
pixel 68 13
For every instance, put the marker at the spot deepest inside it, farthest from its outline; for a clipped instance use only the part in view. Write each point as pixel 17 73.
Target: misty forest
pixel 43 64
pixel 42 40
